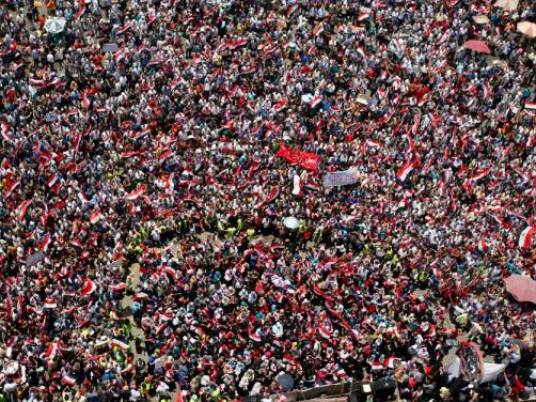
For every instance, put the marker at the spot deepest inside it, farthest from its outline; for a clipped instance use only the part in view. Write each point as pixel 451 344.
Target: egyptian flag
pixel 272 195
pixel 67 380
pixel 267 49
pixel 363 15
pixel 483 246
pixel 95 216
pixel 52 351
pixel 525 239
pixel 280 105
pixel 6 132
pixel 318 29
pixel 124 28
pixel 297 189
pixel 117 252
pixel 530 105
pixel 292 9
pixel 22 208
pixel 140 296
pixel 169 271
pixel 81 10
pixel 165 316
pixel 137 192
pixel 150 19
pixel 322 294
pixel 325 329
pixel 53 182
pixel 236 43
pixel 50 303
pixel 118 288
pixel 116 343
pixel 88 287
pixel 253 335
pixel 480 174
pixel 315 102
pixel 10 187
pixel 404 171
pixel 376 365
pixel 390 362
pixel 44 243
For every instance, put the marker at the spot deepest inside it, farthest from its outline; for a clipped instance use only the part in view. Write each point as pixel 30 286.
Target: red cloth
pixel 308 160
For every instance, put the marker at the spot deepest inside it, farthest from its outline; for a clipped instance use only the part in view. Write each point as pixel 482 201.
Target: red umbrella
pixel 477 46
pixel 522 288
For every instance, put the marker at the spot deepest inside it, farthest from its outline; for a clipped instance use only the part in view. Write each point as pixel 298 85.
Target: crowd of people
pixel 151 151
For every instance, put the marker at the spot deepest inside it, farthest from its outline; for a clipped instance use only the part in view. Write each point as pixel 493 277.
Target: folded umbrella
pixel 522 288
pixel 477 46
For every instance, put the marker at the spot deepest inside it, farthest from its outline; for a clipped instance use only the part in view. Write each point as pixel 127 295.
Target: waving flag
pixel 95 216
pixel 50 303
pixel 116 343
pixel 280 105
pixel 292 9
pixel 315 102
pixel 52 351
pixel 169 271
pixel 68 380
pixel 6 132
pixel 137 192
pixel 22 208
pixel 483 246
pixel 404 171
pixel 43 244
pixel 530 105
pixel 525 240
pixel 253 335
pixel 10 187
pixel 307 160
pixel 80 11
pixel 325 329
pixel 297 188
pixel 53 180
pixel 88 287
pixel 119 287
pixel 235 43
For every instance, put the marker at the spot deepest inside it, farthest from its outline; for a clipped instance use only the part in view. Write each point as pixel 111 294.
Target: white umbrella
pixel 11 368
pixel 363 99
pixel 491 371
pixel 55 25
pixel 508 5
pixel 480 19
pixel 527 28
pixel 291 222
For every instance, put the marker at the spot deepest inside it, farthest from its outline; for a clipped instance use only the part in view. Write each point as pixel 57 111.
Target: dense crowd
pixel 171 151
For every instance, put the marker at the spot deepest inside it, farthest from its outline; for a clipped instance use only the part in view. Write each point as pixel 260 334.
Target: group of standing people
pixel 150 152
